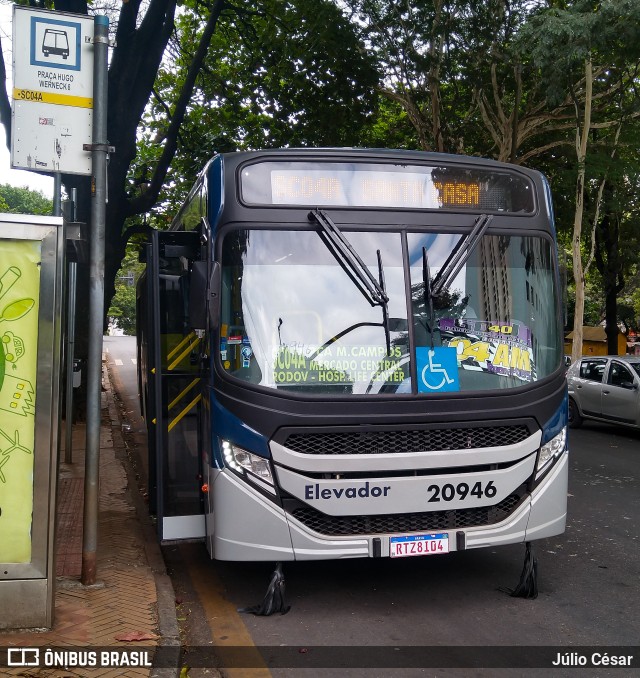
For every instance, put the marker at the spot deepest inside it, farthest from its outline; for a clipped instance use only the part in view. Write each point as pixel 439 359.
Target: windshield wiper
pixel 427 293
pixel 460 255
pixel 373 290
pixel 385 306
pixel 349 259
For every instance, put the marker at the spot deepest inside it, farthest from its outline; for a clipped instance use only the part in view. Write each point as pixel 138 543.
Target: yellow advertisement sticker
pixel 19 293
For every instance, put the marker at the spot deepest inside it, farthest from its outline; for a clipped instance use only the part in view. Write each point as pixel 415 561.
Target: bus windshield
pixel 294 316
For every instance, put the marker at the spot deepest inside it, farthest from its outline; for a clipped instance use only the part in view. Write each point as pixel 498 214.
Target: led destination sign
pixel 369 185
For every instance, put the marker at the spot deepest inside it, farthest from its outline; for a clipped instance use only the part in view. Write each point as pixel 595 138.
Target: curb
pixel 166 608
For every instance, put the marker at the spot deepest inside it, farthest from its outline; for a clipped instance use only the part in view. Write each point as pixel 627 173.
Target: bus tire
pixel 575 418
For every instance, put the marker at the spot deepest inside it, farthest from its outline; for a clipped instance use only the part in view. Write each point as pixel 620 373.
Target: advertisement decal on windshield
pixel 497 347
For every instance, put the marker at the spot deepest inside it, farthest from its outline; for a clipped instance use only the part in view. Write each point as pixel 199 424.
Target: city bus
pixel 351 353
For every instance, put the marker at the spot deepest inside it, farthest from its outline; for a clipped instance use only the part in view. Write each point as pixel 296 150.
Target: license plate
pixel 419 545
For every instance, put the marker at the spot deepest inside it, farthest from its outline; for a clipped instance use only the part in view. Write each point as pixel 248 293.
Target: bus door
pixel 172 396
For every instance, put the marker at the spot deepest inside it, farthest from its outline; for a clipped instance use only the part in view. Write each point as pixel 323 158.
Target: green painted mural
pixel 19 293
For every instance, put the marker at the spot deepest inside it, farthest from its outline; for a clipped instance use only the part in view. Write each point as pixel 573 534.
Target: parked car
pixel 605 388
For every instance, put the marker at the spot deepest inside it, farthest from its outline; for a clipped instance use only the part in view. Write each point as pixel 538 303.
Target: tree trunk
pixel 611 330
pixel 435 52
pixel 582 137
pixel 607 258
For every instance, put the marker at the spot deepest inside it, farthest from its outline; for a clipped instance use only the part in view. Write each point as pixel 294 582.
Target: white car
pixel 605 388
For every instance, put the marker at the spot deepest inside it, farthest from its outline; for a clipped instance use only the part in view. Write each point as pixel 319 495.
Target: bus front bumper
pixel 243 525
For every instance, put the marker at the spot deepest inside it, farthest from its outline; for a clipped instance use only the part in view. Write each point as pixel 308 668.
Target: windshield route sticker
pixel 496 347
pixel 337 365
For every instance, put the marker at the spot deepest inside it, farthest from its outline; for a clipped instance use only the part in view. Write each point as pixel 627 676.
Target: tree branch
pixel 515 140
pixel 132 72
pixel 496 95
pixel 144 202
pixel 541 149
pixel 5 105
pixel 134 230
pixel 415 116
pixel 596 216
pixel 489 118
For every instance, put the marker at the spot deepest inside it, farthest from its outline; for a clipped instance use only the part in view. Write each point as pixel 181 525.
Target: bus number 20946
pixel 450 492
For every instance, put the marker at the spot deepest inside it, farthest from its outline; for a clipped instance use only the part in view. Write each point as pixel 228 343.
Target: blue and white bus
pixel 350 353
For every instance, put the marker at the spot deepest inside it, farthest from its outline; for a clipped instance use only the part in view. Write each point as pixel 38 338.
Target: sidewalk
pixel 132 604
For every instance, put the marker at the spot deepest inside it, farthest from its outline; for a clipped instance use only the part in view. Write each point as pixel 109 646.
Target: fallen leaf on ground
pixel 136 635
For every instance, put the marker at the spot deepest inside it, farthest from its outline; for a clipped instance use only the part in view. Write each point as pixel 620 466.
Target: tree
pixel 457 72
pixel 553 81
pixel 583 49
pixel 141 33
pixel 617 233
pixel 417 47
pixel 312 86
pixel 268 38
pixel 23 201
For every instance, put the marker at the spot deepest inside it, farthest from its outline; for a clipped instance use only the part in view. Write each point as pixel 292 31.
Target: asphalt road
pixel 588 578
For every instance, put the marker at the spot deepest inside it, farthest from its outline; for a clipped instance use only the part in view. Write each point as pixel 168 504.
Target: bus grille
pixel 419 440
pixel 404 523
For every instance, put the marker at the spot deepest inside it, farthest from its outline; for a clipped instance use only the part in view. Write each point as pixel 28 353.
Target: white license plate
pixel 419 545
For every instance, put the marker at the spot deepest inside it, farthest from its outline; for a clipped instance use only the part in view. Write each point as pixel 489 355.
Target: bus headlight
pixel 242 461
pixel 552 450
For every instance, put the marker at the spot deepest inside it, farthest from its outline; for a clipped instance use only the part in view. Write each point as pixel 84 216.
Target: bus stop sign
pixel 52 91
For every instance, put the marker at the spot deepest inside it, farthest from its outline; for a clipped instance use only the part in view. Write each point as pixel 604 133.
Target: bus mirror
pixel 214 294
pixel 198 295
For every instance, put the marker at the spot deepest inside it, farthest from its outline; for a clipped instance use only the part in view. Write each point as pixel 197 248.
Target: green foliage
pixel 593 304
pixel 459 75
pixel 559 39
pixel 435 59
pixel 123 308
pixel 279 74
pixel 389 128
pixel 24 201
pixel 122 311
pixel 630 316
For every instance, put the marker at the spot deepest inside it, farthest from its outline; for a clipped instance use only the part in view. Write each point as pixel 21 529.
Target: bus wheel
pixel 575 418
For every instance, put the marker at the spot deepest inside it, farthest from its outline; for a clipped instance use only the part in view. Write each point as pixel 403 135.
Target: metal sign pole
pixel 57 212
pixel 70 345
pixel 57 194
pixel 99 151
pixel 72 275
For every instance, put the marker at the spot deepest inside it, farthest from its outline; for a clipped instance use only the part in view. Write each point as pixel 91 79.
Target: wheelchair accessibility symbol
pixel 437 369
